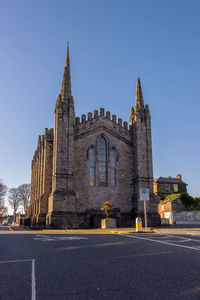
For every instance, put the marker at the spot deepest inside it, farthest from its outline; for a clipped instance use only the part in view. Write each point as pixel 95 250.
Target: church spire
pixel 139 103
pixel 66 82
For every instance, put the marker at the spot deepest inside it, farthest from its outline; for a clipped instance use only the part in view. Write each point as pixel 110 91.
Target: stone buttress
pixel 41 181
pixel 45 177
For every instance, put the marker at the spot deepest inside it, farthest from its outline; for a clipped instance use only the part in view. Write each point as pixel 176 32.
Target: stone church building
pixel 83 162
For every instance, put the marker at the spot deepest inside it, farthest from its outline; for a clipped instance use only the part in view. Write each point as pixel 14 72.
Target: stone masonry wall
pixel 41 178
pixel 86 134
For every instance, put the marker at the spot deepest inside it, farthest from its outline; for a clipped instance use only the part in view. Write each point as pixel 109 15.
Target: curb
pixel 133 232
pixel 98 231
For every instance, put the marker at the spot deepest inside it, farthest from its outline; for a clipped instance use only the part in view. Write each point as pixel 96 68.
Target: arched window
pixel 113 159
pixel 102 161
pixel 92 165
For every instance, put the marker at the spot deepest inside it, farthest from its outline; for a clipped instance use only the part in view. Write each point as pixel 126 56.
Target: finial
pixel 66 82
pixel 138 88
pixel 67 56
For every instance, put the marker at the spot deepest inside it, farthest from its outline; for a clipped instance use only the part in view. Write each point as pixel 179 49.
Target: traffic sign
pixel 144 194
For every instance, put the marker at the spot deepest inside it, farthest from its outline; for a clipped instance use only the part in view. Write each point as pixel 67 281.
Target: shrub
pixel 188 201
pixel 172 196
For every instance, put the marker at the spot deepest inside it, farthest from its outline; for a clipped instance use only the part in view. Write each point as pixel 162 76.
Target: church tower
pixel 63 197
pixel 140 120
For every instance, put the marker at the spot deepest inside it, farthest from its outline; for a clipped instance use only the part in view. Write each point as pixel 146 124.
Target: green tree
pixel 187 200
pixel 182 187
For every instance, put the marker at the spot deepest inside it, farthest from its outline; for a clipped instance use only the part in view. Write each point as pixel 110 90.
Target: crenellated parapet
pixel 99 118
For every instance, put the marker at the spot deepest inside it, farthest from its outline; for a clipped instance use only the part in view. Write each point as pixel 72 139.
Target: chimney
pixel 178 176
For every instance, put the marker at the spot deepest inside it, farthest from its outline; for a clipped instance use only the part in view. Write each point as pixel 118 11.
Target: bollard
pixel 138 224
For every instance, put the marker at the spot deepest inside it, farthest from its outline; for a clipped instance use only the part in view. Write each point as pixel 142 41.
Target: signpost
pixel 144 196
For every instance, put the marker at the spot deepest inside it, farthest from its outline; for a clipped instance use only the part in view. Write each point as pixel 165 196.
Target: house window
pixel 175 187
pixel 102 161
pixel 113 159
pixel 166 187
pixel 92 165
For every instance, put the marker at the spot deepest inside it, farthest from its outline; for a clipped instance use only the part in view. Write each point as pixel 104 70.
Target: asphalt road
pixel 101 266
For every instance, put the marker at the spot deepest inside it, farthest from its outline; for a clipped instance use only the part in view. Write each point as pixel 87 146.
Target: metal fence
pixel 181 218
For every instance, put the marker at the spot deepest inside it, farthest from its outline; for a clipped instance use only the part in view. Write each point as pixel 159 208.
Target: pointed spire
pixel 132 111
pixel 147 112
pixel 139 103
pixel 146 108
pixel 66 82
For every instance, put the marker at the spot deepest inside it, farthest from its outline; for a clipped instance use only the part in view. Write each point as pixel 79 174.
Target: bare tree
pixel 4 212
pixel 13 198
pixel 24 195
pixel 3 191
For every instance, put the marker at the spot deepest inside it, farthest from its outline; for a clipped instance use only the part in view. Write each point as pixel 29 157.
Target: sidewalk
pixel 193 231
pixel 80 231
pixel 159 230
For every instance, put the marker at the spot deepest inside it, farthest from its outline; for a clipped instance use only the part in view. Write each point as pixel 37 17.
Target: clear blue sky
pixel 112 42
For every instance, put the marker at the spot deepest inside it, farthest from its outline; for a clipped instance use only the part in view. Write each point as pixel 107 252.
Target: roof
pixel 168 180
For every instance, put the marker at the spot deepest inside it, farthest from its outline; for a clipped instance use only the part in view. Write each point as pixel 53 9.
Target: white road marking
pixel 167 236
pixel 46 238
pixel 178 237
pixel 33 284
pixel 162 242
pixel 198 241
pixel 33 296
pixel 183 239
pixel 175 237
pixel 180 241
pixel 14 261
pixel 160 237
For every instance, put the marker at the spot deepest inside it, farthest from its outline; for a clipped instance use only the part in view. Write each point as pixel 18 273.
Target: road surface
pixel 99 266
